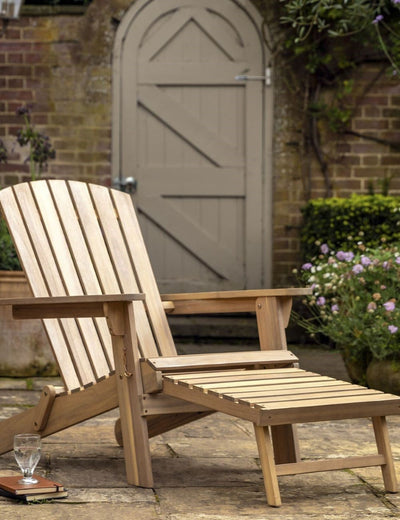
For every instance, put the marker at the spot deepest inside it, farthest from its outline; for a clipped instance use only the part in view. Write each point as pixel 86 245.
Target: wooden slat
pixel 299 397
pixel 186 73
pixel 67 344
pixel 100 343
pixel 329 465
pixel 145 276
pixel 224 360
pixel 227 375
pixel 122 262
pixel 226 295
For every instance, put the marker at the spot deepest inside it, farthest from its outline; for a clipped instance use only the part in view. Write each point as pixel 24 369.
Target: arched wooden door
pixel 195 139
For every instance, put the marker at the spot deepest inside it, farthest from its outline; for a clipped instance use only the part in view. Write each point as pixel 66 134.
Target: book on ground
pixel 44 486
pixel 35 497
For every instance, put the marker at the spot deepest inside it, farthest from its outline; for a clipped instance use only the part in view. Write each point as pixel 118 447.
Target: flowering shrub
pixel 355 300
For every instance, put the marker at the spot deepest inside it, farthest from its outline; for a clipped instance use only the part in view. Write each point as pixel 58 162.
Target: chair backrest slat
pixel 144 273
pixel 75 238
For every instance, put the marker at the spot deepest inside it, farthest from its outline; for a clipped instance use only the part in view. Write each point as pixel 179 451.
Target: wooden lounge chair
pixel 92 284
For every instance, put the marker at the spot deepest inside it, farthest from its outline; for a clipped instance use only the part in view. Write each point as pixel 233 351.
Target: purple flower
pixel 385 264
pixel 344 256
pixel 324 249
pixel 397 257
pixel 357 269
pixel 321 301
pixel 365 260
pixel 335 306
pixel 389 306
pixel 307 266
pixel 396 1
pixel 392 328
pixel 378 19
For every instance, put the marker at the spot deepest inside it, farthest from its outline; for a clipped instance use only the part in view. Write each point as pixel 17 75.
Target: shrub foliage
pixel 341 223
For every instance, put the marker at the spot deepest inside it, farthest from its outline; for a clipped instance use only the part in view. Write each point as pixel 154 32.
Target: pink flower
pixel 324 249
pixel 392 328
pixel 321 301
pixel 389 306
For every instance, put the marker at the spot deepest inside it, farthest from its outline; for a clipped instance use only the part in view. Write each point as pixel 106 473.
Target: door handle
pixel 127 184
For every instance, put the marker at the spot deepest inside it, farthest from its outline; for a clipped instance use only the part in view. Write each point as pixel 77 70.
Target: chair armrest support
pixel 66 306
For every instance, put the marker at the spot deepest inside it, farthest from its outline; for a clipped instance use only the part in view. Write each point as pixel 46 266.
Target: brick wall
pixel 62 65
pixel 354 162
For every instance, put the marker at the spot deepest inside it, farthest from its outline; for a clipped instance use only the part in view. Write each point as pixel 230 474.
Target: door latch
pixel 127 184
pixel 267 78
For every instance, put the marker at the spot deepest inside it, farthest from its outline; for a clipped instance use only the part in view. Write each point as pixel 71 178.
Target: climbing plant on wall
pixel 321 43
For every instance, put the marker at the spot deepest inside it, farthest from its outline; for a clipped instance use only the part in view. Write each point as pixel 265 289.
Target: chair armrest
pixel 66 306
pixel 217 361
pixel 225 301
pixel 152 369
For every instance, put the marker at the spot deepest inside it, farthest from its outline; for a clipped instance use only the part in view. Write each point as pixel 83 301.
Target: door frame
pixel 266 195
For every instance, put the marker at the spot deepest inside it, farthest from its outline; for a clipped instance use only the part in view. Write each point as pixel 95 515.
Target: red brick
pixel 15 83
pixel 367 172
pixel 14 70
pixel 369 160
pixel 390 159
pixel 375 100
pixel 371 124
pixel 13 34
pixel 23 95
pixel 372 111
pixel 15 58
pixel 391 112
pixel 34 58
pixel 367 147
pixel 350 160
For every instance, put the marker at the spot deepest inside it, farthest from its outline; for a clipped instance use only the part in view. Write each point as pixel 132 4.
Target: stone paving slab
pixel 207 470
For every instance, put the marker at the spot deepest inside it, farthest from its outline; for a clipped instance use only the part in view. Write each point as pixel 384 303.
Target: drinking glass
pixel 27 454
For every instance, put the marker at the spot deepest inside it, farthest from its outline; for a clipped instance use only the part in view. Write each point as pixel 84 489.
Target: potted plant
pixel 355 304
pixel 34 355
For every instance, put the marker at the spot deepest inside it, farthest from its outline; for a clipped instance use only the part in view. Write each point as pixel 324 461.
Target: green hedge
pixel 341 223
pixel 8 257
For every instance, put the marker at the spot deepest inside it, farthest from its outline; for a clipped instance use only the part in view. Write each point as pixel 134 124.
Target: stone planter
pixel 356 369
pixel 24 348
pixel 384 375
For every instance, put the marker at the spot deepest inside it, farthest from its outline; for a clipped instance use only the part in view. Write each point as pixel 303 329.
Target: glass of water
pixel 27 448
